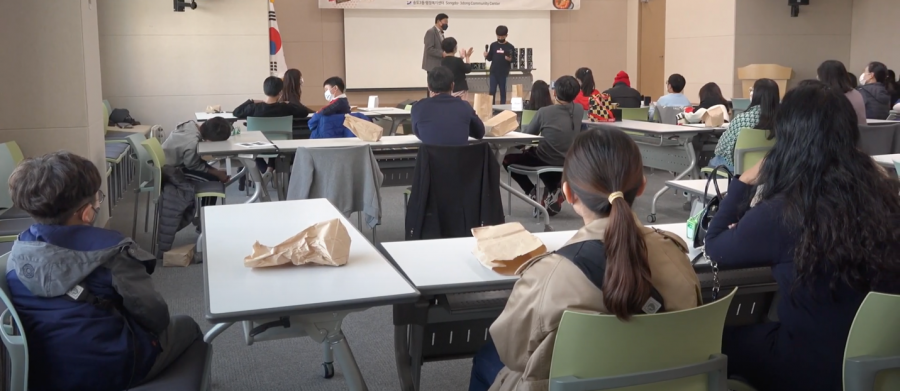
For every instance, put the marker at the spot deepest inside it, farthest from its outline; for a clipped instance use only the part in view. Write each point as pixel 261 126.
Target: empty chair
pixel 872 355
pixel 877 139
pixel 527 116
pixel 638 114
pixel 667 114
pixel 751 146
pixel 673 351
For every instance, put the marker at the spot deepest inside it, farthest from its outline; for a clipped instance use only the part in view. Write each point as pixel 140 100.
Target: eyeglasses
pixel 102 196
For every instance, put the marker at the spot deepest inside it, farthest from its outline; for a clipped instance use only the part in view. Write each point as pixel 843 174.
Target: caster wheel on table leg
pixel 651 218
pixel 329 370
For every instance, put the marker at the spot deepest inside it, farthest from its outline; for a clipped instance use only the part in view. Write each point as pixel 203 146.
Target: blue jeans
pixel 718 161
pixel 498 81
pixel 485 366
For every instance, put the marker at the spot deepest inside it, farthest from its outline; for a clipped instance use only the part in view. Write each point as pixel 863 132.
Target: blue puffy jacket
pixel 331 126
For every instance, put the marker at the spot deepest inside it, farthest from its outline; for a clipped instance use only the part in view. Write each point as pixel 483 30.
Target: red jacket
pixel 585 101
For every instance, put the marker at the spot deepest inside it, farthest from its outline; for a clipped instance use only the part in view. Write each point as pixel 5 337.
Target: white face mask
pixel 862 78
pixel 329 96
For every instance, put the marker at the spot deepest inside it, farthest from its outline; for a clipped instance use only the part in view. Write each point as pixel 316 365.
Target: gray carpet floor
pixel 296 364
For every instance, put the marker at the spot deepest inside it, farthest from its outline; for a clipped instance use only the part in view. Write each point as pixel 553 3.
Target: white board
pixel 383 48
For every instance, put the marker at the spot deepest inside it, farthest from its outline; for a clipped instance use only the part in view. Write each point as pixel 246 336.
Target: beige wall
pixel 874 34
pixel 700 46
pixel 767 34
pixel 163 66
pixel 314 43
pixel 50 76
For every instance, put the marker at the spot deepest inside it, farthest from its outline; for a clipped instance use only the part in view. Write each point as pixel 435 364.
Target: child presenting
pixel 500 55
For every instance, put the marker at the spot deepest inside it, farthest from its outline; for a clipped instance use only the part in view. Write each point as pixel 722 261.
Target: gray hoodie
pixel 180 147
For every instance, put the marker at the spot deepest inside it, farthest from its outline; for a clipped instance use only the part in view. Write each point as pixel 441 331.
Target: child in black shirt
pixel 500 55
pixel 459 66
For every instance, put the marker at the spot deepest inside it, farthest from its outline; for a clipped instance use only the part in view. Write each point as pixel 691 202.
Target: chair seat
pixel 14 227
pixel 185 374
pixel 209 187
pixel 5 247
pixel 14 213
pixel 117 135
pixel 114 151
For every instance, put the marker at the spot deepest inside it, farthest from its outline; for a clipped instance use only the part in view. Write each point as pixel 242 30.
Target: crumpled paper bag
pixel 326 243
pixel 501 124
pixel 213 109
pixel 504 248
pixel 715 116
pixel 365 130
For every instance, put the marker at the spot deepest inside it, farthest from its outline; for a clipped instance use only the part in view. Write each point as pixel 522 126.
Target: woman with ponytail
pixel 612 265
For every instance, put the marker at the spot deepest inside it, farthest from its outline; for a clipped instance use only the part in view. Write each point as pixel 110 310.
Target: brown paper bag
pixel 484 106
pixel 715 116
pixel 503 248
pixel 365 130
pixel 518 91
pixel 501 124
pixel 213 109
pixel 179 256
pixel 326 243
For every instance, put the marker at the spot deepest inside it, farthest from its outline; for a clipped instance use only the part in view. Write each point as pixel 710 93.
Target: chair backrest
pixel 874 334
pixel 636 114
pixel 592 346
pixel 408 108
pixel 274 128
pixel 140 154
pixel 10 157
pixel 877 139
pixel 739 105
pixel 527 116
pixel 155 151
pixel 108 109
pixel 13 335
pixel 667 114
pixel 751 146
pixel 105 119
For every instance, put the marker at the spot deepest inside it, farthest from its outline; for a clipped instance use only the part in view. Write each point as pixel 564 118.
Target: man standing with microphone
pixel 433 37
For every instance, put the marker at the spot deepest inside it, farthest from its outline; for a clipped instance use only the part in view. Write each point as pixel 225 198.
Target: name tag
pixel 75 292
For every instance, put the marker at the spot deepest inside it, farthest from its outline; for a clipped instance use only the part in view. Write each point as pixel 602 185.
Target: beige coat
pixel 526 330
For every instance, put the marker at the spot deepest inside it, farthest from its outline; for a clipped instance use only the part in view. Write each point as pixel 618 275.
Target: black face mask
pixel 444 27
pixel 501 40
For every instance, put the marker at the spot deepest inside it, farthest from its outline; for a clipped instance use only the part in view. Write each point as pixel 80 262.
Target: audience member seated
pixel 874 91
pixel 674 85
pixel 271 107
pixel 181 148
pixel 760 115
pixel 293 88
pixel 711 95
pixel 612 265
pixel 892 86
pixel 444 119
pixel 833 74
pixel 589 97
pixel 824 218
pixel 853 80
pixel 459 66
pixel 622 93
pixel 558 124
pixel 84 294
pixel 540 96
pixel 329 121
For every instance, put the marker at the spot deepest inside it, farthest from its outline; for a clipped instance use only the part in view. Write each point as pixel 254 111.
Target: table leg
pixel 404 360
pixel 417 339
pixel 691 169
pixel 215 331
pixel 344 357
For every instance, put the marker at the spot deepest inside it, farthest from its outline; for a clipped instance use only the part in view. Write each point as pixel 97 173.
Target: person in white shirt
pixel 675 85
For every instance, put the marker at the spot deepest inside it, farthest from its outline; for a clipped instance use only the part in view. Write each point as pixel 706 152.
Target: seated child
pixel 645 269
pixel 181 148
pixel 329 121
pixel 675 98
pixel 271 107
pixel 84 294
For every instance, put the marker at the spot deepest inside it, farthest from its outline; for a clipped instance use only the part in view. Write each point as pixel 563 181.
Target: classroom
pixel 450 195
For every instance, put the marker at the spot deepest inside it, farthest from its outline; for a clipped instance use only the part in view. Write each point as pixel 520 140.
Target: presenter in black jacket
pixel 500 55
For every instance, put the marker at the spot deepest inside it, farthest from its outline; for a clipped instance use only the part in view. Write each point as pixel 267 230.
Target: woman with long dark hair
pixel 293 86
pixel 711 95
pixel 874 91
pixel 825 220
pixel 834 75
pixel 540 96
pixel 589 92
pixel 612 265
pixel 763 105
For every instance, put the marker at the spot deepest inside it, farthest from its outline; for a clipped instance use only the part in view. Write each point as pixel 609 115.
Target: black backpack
pixel 119 116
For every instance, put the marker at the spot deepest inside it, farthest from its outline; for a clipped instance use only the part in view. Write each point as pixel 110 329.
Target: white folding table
pixel 886 161
pixel 660 144
pixel 443 267
pixel 397 116
pixel 697 187
pixel 313 298
pixel 238 144
pixel 881 121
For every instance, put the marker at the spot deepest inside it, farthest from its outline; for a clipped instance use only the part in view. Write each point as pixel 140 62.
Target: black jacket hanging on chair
pixel 454 190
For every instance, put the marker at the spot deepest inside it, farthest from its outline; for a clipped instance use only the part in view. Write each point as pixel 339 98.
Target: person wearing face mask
pixel 874 92
pixel 329 121
pixel 100 324
pixel 433 53
pixel 500 55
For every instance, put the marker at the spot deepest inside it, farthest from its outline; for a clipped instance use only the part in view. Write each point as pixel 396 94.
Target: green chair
pixel 638 114
pixel 274 128
pixel 145 183
pixel 673 351
pixel 527 116
pixel 10 157
pixel 202 189
pixel 751 147
pixel 872 354
pixel 739 105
